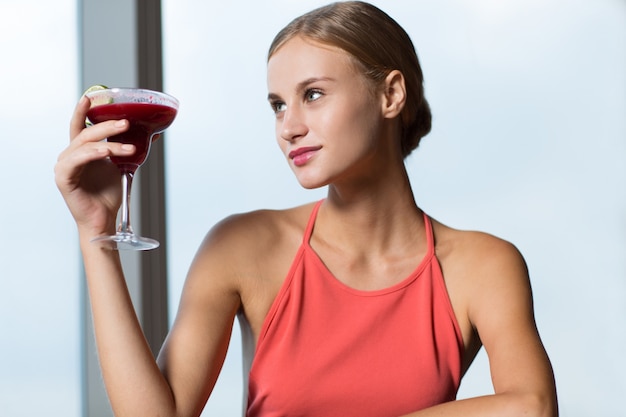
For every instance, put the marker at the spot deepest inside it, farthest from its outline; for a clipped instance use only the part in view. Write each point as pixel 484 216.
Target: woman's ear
pixel 394 94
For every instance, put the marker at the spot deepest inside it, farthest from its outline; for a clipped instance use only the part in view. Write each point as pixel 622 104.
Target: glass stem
pixel 127 181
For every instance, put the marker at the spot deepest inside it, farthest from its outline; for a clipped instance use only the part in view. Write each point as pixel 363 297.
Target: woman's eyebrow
pixel 302 85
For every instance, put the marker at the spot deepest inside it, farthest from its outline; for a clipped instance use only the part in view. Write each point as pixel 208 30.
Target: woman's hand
pixel 89 182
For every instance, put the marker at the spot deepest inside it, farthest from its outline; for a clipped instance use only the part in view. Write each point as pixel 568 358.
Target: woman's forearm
pixel 497 405
pixel 133 381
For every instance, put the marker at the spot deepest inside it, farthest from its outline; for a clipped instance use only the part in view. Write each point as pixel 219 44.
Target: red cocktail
pixel 145 120
pixel 148 113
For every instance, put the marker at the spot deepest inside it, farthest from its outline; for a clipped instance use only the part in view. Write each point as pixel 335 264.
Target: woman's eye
pixel 312 95
pixel 278 106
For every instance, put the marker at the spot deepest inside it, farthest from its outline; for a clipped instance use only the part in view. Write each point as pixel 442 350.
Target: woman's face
pixel 328 121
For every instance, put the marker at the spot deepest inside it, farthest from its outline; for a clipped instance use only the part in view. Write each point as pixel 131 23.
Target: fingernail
pixel 127 147
pixel 120 123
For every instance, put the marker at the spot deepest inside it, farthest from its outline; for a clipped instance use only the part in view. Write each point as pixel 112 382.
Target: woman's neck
pixel 375 217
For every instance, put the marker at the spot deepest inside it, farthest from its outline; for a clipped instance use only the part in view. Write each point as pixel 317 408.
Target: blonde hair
pixel 379 44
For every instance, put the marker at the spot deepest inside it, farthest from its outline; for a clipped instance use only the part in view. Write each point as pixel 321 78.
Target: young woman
pixel 357 305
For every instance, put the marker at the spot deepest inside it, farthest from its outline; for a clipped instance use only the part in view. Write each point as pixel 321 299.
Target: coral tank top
pixel 326 349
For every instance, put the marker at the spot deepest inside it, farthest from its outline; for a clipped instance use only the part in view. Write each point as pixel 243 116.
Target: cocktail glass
pixel 148 113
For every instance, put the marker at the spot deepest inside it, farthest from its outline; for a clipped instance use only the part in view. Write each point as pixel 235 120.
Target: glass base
pixel 126 241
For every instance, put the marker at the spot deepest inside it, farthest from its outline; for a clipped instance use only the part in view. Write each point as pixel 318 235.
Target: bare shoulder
pixel 487 280
pixel 256 232
pixel 478 256
pixel 252 245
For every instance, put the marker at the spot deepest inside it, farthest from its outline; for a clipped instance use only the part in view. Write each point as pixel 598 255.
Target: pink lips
pixel 300 156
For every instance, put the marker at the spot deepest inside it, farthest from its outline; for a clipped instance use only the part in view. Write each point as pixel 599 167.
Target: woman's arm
pixel 192 355
pixel 194 351
pixel 500 307
pixel 90 185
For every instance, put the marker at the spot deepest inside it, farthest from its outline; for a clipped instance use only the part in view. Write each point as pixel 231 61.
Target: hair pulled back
pixel 379 44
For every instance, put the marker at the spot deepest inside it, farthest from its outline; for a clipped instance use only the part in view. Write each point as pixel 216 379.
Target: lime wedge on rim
pixel 97 100
pixel 95 88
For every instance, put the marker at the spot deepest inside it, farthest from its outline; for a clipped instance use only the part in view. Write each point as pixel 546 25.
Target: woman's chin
pixel 311 183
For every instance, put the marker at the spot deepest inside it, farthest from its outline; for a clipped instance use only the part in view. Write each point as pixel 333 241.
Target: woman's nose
pixel 293 125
